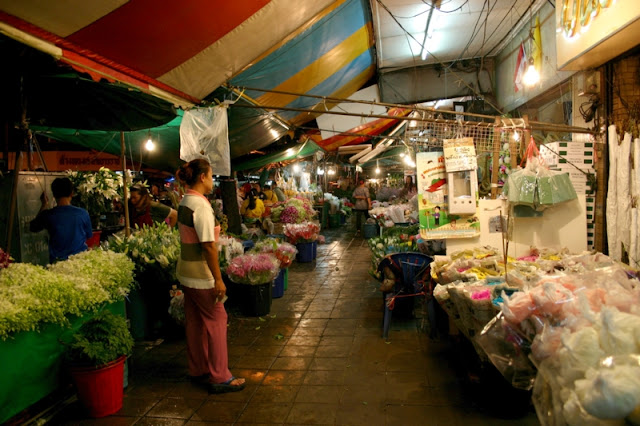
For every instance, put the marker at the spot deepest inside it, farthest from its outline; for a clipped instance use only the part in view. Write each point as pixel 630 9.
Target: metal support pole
pixel 125 186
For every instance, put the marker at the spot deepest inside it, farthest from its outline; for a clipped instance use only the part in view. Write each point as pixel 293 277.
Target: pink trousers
pixel 206 333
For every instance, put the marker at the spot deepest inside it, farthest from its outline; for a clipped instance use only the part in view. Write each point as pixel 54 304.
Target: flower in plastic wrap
pixel 253 268
pixel 302 233
pixel 284 252
pixel 611 393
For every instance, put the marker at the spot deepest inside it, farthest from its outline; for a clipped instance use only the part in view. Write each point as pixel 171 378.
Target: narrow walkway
pixel 318 358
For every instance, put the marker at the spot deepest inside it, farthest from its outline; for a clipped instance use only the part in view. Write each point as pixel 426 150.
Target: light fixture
pixel 409 162
pixel 402 154
pixel 377 168
pixel 320 171
pixel 427 35
pixel 516 136
pixel 531 76
pixel 150 145
pixel 331 172
pixel 296 168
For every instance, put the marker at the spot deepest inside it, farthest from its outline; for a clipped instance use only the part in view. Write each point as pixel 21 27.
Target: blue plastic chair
pixel 412 273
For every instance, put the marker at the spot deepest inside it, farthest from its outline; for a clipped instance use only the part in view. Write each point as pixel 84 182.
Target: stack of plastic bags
pixel 535 187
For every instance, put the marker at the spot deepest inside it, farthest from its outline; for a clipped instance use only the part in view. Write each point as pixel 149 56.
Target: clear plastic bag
pixel 508 348
pixel 204 134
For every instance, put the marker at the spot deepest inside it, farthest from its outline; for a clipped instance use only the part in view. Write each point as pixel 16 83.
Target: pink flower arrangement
pixel 284 252
pixel 253 269
pixel 305 232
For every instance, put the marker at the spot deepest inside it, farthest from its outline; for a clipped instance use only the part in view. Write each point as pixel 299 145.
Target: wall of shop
pixel 506 60
pixel 626 92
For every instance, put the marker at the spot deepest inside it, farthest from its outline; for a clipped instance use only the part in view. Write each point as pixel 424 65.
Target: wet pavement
pixel 318 358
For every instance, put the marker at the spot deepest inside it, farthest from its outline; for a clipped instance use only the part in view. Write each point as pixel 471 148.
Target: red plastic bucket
pixel 100 390
pixel 94 241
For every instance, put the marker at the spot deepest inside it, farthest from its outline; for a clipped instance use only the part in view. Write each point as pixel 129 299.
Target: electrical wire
pixel 431 6
pixel 439 61
pixel 497 27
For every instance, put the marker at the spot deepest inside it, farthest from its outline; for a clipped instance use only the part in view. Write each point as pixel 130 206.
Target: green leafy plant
pixel 100 340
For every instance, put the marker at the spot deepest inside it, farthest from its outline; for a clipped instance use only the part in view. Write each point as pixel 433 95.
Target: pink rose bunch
pixel 305 232
pixel 253 268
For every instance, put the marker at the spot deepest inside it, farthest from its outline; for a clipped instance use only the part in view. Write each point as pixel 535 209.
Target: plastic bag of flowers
pixel 302 233
pixel 297 210
pixel 284 252
pixel 228 247
pixel 253 268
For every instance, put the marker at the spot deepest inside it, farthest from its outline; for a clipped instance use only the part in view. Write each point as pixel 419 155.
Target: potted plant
pixel 96 356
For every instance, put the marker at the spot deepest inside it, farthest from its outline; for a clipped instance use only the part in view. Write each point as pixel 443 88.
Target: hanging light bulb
pixel 402 154
pixel 320 171
pixel 377 168
pixel 150 145
pixel 516 136
pixel 531 76
pixel 296 168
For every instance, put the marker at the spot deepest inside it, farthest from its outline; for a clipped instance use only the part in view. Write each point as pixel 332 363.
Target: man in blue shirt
pixel 69 227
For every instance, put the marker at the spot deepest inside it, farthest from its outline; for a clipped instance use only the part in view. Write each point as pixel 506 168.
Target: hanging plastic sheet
pixel 612 208
pixel 204 134
pixel 623 194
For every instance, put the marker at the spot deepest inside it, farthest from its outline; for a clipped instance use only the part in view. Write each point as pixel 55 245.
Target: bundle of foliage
pixel 102 339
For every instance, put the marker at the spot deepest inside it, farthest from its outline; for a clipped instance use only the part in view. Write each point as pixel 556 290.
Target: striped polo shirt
pixel 196 224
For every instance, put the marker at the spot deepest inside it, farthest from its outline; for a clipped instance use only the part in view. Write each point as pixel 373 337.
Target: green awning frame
pixel 306 149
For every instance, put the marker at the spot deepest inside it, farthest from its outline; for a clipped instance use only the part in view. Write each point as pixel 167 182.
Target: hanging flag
pixel 536 47
pixel 521 67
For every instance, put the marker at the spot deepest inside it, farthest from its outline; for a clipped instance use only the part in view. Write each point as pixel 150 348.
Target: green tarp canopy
pixel 166 155
pixel 306 149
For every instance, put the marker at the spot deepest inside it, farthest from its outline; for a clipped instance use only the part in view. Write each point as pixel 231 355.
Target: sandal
pixel 225 387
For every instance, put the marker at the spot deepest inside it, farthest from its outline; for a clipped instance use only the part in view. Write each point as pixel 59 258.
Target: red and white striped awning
pixel 179 51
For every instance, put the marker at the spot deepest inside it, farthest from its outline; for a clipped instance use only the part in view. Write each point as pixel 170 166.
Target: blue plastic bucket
pixel 277 290
pixel 305 252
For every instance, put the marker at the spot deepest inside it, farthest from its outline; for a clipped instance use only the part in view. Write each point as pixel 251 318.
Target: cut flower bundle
pixel 253 269
pixel 31 295
pixel 157 244
pixel 306 232
pixel 284 252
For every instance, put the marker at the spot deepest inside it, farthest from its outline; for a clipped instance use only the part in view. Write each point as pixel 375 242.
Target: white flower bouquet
pixel 94 191
pixel 31 295
pixel 157 245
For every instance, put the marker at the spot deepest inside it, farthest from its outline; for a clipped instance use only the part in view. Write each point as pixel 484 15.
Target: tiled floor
pixel 318 358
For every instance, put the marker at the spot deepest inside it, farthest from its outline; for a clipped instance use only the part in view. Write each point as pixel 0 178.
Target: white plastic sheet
pixel 204 134
pixel 612 209
pixel 623 195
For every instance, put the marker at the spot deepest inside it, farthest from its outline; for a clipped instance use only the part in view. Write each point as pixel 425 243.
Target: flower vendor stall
pixel 38 305
pixel 564 325
pixel 154 251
